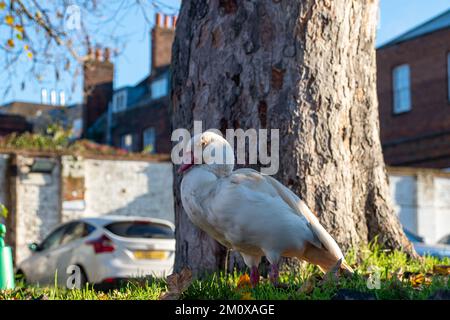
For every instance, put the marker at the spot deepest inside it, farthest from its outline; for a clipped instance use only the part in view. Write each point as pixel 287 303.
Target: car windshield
pixel 141 229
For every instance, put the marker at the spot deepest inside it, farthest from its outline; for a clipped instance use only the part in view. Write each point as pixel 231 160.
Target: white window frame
pixel 160 87
pixel 127 145
pixel 77 128
pixel 120 101
pixel 401 88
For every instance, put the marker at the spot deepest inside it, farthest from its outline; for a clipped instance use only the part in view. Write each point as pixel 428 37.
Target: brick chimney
pixel 163 34
pixel 97 86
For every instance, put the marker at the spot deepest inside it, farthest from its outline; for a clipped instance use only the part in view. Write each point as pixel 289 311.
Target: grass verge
pixel 382 274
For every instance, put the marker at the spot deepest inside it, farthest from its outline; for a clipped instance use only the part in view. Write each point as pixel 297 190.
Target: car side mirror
pixel 33 247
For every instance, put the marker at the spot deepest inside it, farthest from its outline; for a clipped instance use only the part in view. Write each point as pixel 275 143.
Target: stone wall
pixel 37 207
pixel 132 188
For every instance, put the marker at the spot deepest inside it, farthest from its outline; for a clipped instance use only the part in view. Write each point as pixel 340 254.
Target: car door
pixel 40 270
pixel 63 256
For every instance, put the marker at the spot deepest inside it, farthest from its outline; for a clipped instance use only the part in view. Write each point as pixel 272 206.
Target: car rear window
pixel 141 229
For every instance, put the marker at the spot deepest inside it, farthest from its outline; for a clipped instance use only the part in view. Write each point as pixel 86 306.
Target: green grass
pixel 371 260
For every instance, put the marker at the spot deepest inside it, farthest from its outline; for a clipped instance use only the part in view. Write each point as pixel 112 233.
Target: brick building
pixel 98 73
pixel 10 123
pixel 39 116
pixel 137 118
pixel 413 72
pixel 134 118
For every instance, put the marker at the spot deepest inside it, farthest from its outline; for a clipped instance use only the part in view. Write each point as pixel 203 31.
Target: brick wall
pixel 420 137
pixel 161 43
pixel 97 87
pixel 136 120
pixel 13 123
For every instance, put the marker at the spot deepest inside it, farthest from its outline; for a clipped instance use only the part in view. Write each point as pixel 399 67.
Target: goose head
pixel 209 151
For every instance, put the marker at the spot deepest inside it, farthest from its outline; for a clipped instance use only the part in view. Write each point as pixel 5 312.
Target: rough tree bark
pixel 304 67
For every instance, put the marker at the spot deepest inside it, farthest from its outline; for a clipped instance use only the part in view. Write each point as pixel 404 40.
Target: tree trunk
pixel 306 68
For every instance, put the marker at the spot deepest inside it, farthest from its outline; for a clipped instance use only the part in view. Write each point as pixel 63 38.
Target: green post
pixel 6 263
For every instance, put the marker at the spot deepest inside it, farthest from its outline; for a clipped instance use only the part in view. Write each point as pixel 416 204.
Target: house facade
pixel 137 118
pixel 134 118
pixel 413 83
pixel 10 123
pixel 38 116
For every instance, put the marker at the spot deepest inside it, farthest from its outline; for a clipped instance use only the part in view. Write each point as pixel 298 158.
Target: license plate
pixel 153 255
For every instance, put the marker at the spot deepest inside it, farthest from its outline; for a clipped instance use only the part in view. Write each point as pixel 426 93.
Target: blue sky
pixel 133 64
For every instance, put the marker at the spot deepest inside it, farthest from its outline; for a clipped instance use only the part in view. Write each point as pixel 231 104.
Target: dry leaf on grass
pixel 247 296
pixel 244 282
pixel 177 283
pixel 244 286
pixel 442 270
pixel 419 279
pixel 308 286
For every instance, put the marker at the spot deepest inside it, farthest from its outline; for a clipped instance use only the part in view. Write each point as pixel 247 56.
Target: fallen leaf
pixel 244 282
pixel 177 283
pixel 308 286
pixel 10 43
pixel 419 279
pixel 442 270
pixel 247 296
pixel 2 5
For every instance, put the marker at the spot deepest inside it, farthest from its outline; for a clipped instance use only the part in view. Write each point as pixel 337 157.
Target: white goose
pixel 250 212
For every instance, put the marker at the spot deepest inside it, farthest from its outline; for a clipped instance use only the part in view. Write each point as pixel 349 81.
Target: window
pixel 401 88
pixel 120 101
pixel 77 128
pixel 62 98
pixel 53 239
pixel 149 138
pixel 53 98
pixel 75 231
pixel 126 142
pixel 141 229
pixel 448 76
pixel 160 87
